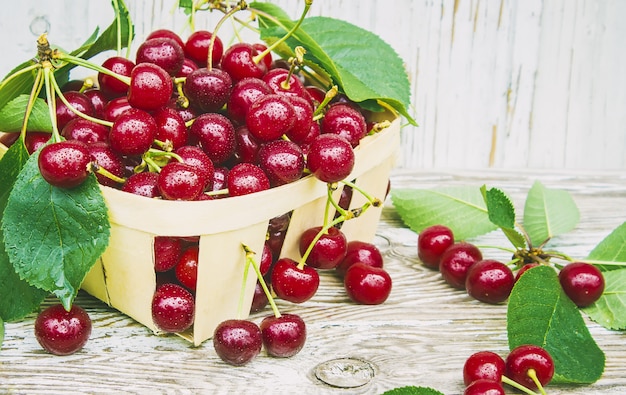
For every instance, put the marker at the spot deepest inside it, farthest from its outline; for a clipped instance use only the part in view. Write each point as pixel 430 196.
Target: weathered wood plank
pixel 420 336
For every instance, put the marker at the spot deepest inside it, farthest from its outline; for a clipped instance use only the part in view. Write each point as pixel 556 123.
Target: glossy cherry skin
pixel 484 387
pixel 247 145
pixel 143 184
pixel 181 181
pixel 79 101
pixel 172 308
pixel 270 117
pixel 216 135
pixel 167 33
pixel 330 158
pixel 244 93
pixel 197 48
pixel 329 250
pixel 111 86
pixel 85 130
pixel 489 281
pixel 64 164
pixel 483 365
pixel 582 282
pixel 360 251
pixel 167 252
pixel 275 79
pixel 237 341
pixel 238 62
pixel 525 357
pixel 62 332
pixel 301 128
pixel 432 242
pixel 102 154
pixel 292 283
pixel 150 87
pixel 171 127
pixel 259 300
pixel 283 336
pixel 282 161
pixel 33 141
pixel 208 90
pixel 162 51
pixel 246 178
pixel 346 121
pixel 188 67
pixel 186 269
pixel 133 132
pixel 115 107
pixel 366 284
pixel 98 100
pixel 456 261
pixel 197 158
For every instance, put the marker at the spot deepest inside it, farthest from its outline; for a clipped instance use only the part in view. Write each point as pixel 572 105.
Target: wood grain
pixel 421 336
pixel 502 84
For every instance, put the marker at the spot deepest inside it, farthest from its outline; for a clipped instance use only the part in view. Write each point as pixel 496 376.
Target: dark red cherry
pixel 283 336
pixel 98 100
pixel 180 181
pixel 247 145
pixel 197 158
pixel 216 135
pixel 489 281
pixel 366 284
pixel 282 161
pixel 270 117
pixel 246 178
pixel 133 132
pixel 64 164
pixel 276 79
pixel 188 67
pixel 237 341
pixel 162 51
pixel 167 252
pixel 33 140
pixel 186 268
pixel 197 48
pixel 143 184
pixel 62 332
pixel 456 261
pixel 328 251
pixel 483 365
pixel 346 121
pixel 115 107
pixel 172 308
pixel 111 86
pixel 244 93
pixel 77 100
pixel 582 282
pixel 330 158
pixel 170 127
pixel 524 269
pixel 267 59
pixel 301 128
pixel 208 89
pixel 259 300
pixel 526 357
pixel 106 158
pixel 360 251
pixel 150 87
pixel 292 283
pixel 239 63
pixel 85 130
pixel 432 242
pixel 158 33
pixel 220 178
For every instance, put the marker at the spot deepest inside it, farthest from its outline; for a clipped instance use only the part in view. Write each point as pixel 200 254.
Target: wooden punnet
pixel 124 276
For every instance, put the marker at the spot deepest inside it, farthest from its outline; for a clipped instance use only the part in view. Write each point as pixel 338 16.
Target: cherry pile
pixel 527 367
pixel 462 266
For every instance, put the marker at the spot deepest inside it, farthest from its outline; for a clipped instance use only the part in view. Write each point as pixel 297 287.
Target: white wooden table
pixel 421 336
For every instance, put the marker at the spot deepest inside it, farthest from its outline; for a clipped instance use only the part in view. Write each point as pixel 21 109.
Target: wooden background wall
pixel 494 83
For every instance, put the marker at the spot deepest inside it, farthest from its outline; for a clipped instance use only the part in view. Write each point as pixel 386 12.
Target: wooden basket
pixel 124 276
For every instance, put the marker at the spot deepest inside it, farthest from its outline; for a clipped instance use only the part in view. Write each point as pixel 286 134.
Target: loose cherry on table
pixel 283 336
pixel 582 282
pixel 360 251
pixel 530 365
pixel 367 284
pixel 489 281
pixel 293 283
pixel 62 332
pixel 237 341
pixel 484 387
pixel 456 261
pixel 432 242
pixel 486 365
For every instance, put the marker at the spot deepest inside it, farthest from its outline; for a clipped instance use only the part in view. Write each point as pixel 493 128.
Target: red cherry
pixel 484 387
pixel 270 117
pixel 197 48
pixel 483 365
pixel 150 87
pixel 62 332
pixel 64 164
pixel 111 86
pixel 582 282
pixel 360 251
pixel 186 269
pixel 238 62
pixel 366 284
pixel 237 341
pixel 456 261
pixel 489 281
pixel 133 132
pixel 208 89
pixel 526 357
pixel 143 184
pixel 246 178
pixel 330 158
pixel 162 51
pixel 167 252
pixel 292 283
pixel 329 250
pixel 432 242
pixel 172 308
pixel 283 336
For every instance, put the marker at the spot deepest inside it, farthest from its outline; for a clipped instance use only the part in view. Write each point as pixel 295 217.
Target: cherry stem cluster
pixel 251 262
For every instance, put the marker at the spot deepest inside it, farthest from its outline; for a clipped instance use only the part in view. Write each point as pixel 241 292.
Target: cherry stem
pixel 48 76
pixel 218 192
pixel 241 6
pixel 330 94
pixel 485 246
pixel 293 63
pixel 38 83
pixel 96 168
pixel 242 291
pixel 307 5
pixel 74 109
pixel 517 385
pixel 85 63
pixel 18 73
pixel 250 259
pixel 533 375
pixel 374 201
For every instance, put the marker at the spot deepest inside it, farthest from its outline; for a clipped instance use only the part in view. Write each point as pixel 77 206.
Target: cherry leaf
pixel 17 297
pixel 548 213
pixel 12 115
pixel 611 249
pixel 365 67
pixel 502 213
pixel 53 236
pixel 540 313
pixel 462 209
pixel 610 310
pixel 412 390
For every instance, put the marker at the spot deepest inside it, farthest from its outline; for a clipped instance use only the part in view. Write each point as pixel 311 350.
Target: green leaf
pixel 412 390
pixel 12 115
pixel 19 85
pixel 462 209
pixel 540 313
pixel 611 249
pixel 502 214
pixel 17 297
pixel 610 310
pixel 1 332
pixel 548 213
pixel 364 66
pixel 62 234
